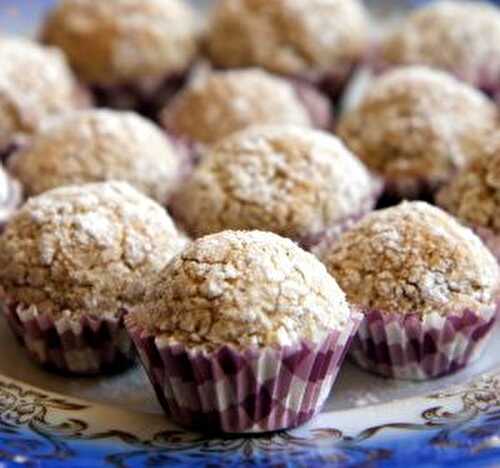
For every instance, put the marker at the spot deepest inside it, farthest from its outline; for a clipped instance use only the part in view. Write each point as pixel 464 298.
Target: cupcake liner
pixel 418 348
pixel 83 346
pixel 190 151
pixel 316 103
pixel 243 391
pixel 146 97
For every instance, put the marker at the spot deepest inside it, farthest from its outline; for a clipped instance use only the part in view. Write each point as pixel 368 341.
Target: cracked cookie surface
pixel 460 37
pixel 293 181
pixel 288 37
pixel 474 194
pixel 217 103
pixel 244 289
pixel 111 42
pixel 417 123
pixel 96 146
pixel 413 258
pixel 35 83
pixel 85 250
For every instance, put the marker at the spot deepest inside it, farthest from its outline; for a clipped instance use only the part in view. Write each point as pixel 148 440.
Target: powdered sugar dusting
pixel 127 39
pixel 473 194
pixel 288 37
pixel 4 187
pixel 417 124
pixel 99 145
pixel 243 288
pixel 430 36
pixel 413 258
pixel 293 181
pixel 10 196
pixel 86 249
pixel 216 104
pixel 35 82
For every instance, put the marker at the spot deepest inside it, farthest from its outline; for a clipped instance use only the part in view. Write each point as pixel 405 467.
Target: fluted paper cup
pixel 242 391
pixel 418 348
pixel 83 346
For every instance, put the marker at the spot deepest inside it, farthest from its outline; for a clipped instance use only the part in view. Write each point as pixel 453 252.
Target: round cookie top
pixel 474 194
pixel 460 37
pixel 244 289
pixel 418 123
pixel 216 104
pixel 35 82
pixel 119 41
pixel 288 37
pixel 85 250
pixel 294 181
pixel 413 258
pixel 96 146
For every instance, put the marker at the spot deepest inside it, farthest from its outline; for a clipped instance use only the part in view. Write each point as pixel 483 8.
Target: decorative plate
pixel 48 420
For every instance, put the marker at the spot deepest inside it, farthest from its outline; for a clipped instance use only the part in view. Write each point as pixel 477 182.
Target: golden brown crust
pixel 418 124
pixel 88 249
pixel 216 104
pixel 35 83
pixel 474 194
pixel 293 38
pixel 294 181
pixel 413 258
pixel 121 41
pixel 96 146
pixel 243 288
pixel 460 37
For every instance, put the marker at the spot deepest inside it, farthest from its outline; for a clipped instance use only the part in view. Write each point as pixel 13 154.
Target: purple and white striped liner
pixel 242 391
pixel 418 348
pixel 86 346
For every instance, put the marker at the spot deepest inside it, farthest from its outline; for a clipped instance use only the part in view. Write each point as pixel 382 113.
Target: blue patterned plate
pixel 459 425
pixel 368 421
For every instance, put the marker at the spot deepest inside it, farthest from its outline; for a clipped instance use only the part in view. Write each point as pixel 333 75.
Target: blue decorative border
pixel 466 445
pixel 461 427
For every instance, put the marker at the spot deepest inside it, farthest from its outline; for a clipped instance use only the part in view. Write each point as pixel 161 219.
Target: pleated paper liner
pixel 419 348
pixel 84 346
pixel 242 391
